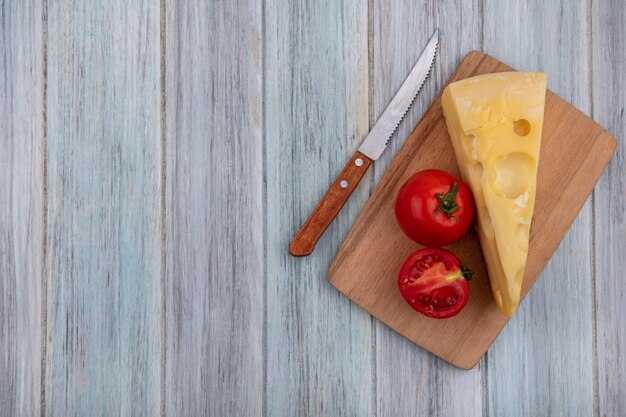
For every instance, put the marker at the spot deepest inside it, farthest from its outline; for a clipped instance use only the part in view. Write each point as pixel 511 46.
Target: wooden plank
pixel 319 344
pixel 21 207
pixel 428 386
pixel 103 233
pixel 214 209
pixel 609 104
pixel 530 366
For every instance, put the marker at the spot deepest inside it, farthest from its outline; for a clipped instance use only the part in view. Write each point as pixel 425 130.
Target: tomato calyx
pixel 463 272
pixel 467 273
pixel 447 203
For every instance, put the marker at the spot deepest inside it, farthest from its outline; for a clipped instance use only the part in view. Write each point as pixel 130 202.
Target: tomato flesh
pixel 432 282
pixel 426 216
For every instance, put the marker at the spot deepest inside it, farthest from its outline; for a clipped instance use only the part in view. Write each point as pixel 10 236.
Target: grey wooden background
pixel 157 156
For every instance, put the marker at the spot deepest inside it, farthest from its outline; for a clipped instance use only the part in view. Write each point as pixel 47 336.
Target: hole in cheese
pixel 519 277
pixel 476 180
pixel 521 127
pixel 522 232
pixel 510 174
pixel 498 297
pixel 468 144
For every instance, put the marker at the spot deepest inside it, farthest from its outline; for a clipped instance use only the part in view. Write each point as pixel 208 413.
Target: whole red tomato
pixel 434 208
pixel 434 283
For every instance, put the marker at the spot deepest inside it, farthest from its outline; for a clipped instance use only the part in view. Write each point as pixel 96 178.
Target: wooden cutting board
pixel 574 152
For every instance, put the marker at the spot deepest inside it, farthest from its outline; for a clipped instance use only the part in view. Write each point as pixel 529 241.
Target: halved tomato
pixel 434 283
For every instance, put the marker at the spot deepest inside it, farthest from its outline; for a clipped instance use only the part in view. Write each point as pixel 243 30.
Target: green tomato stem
pixel 467 273
pixel 447 203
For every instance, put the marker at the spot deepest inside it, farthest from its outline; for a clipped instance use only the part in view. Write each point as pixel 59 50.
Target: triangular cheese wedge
pixel 495 123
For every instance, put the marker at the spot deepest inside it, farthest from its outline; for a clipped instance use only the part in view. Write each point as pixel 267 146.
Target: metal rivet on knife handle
pixel 344 183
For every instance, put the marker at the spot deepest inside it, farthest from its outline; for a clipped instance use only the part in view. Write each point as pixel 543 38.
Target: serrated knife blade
pixel 370 150
pixel 376 141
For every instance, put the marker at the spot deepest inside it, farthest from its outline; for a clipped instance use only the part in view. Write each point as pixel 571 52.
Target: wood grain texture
pixel 319 344
pixel 214 209
pixel 330 205
pixel 21 207
pixel 530 368
pixel 401 29
pixel 103 233
pixel 207 314
pixel 609 107
pixel 376 244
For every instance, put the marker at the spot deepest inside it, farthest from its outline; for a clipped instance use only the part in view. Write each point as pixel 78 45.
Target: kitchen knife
pixel 371 148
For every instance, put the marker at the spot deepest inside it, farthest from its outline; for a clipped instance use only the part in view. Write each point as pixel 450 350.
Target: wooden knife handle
pixel 327 209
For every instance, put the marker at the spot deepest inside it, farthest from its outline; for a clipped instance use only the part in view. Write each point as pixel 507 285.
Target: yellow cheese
pixel 495 123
